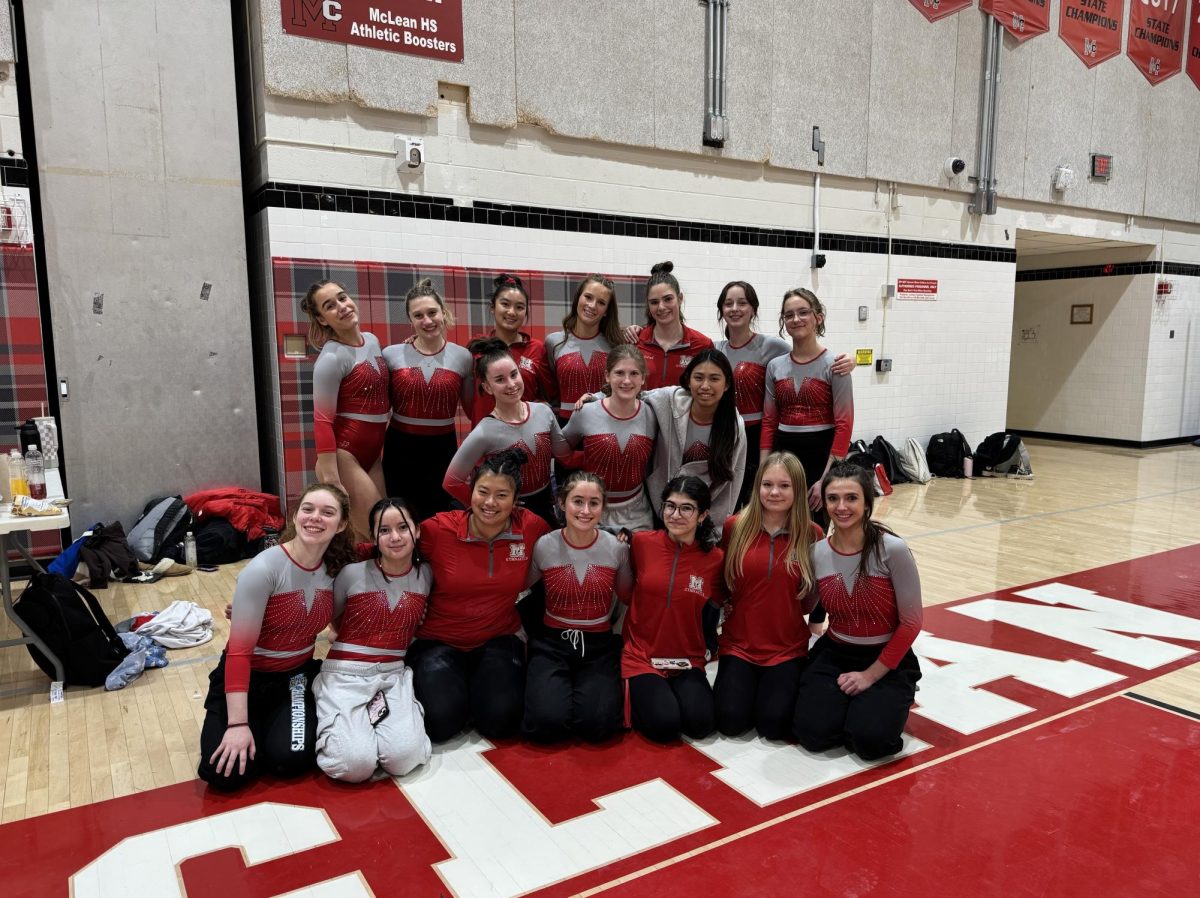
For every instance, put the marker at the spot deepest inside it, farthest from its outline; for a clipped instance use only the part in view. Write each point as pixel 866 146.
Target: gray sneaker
pixel 1021 473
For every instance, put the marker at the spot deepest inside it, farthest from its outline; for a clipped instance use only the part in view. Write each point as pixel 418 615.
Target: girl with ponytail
pixel 510 305
pixel 666 342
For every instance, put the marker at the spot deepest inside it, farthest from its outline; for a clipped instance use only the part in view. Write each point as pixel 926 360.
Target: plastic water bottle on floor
pixel 189 551
pixel 35 473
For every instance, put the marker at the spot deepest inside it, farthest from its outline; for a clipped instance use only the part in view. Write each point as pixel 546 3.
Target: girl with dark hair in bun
pixel 510 305
pixel 578 353
pixel 513 423
pixel 666 342
pixel 468 659
pixel 430 379
pixel 677 572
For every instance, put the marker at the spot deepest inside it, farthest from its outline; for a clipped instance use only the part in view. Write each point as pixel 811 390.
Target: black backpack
pixel 996 450
pixel 885 454
pixel 69 620
pixel 218 542
pixel 164 523
pixel 946 452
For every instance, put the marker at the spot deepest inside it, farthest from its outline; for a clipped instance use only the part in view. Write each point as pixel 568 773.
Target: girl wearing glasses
pixel 764 641
pixel 806 409
pixel 862 678
pixel 749 353
pixel 677 572
pixel 574 679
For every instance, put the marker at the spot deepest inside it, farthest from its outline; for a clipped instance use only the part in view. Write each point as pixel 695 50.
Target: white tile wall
pixel 950 355
pixel 1172 399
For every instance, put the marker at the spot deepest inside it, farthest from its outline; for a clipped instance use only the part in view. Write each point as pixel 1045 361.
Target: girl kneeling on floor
pixel 573 685
pixel 862 676
pixel 367 715
pixel 260 715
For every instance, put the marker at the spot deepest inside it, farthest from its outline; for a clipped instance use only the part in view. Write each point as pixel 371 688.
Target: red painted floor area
pixel 1101 802
pixel 1098 799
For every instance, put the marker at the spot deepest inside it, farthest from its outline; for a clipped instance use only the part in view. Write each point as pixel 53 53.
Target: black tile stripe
pixel 1166 706
pixel 1115 269
pixel 407 205
pixel 1105 441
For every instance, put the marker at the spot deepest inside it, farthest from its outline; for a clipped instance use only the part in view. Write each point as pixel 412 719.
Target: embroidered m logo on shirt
pixel 696 584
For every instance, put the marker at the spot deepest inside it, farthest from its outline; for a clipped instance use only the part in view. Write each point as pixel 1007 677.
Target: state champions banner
pixel 1156 32
pixel 939 9
pixel 1092 28
pixel 1022 19
pixel 430 28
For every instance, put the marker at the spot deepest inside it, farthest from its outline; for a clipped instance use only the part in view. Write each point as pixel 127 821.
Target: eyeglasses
pixel 798 315
pixel 684 510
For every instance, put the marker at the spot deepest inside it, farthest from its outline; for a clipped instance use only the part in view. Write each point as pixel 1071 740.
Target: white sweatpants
pixel 348 747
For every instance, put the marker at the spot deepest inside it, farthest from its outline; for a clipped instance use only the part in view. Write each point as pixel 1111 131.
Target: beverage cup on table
pixel 48 431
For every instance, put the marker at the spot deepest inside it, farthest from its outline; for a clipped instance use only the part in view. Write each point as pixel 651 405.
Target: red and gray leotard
pixel 582 585
pixel 538 436
pixel 578 365
pixel 279 608
pixel 426 390
pixel 749 362
pixel 882 608
pixel 377 615
pixel 350 383
pixel 617 449
pixel 530 356
pixel 805 397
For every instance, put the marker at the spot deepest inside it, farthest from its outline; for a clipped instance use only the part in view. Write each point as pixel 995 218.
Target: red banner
pixel 1022 19
pixel 1193 52
pixel 1155 42
pixel 939 9
pixel 1092 28
pixel 432 28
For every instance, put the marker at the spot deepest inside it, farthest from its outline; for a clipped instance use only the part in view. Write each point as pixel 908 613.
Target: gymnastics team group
pixel 629 504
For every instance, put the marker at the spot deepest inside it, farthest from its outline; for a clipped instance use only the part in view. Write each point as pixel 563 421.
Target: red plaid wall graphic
pixel 379 289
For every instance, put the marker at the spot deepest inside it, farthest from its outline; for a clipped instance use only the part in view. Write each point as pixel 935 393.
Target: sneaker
pixel 989 472
pixel 1021 473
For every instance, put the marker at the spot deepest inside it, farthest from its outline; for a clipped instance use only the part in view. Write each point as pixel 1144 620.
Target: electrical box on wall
pixel 889 291
pixel 883 366
pixel 410 153
pixel 863 313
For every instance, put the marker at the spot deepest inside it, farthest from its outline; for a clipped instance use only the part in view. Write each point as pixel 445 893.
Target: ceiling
pixel 1044 243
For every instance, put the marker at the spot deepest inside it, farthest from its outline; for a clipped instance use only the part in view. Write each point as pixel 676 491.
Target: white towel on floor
pixel 180 625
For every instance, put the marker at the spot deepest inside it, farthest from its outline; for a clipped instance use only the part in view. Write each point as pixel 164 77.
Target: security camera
pixel 818 260
pixel 410 153
pixel 953 167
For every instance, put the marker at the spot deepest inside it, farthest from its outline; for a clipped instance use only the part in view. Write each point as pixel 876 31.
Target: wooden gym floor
pixel 1088 507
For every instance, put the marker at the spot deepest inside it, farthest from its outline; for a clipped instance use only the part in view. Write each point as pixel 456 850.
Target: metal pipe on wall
pixel 716 124
pixel 984 200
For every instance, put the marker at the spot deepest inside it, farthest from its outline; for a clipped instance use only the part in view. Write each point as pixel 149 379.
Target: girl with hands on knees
pixel 259 712
pixel 368 717
pixel 862 676
pixel 350 398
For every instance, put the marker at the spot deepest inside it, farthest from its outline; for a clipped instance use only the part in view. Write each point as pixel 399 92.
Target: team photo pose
pixel 677 572
pixel 528 426
pixel 368 718
pixel 577 354
pixel 807 410
pixel 430 379
pixel 350 398
pixel 259 713
pixel 510 313
pixel 764 639
pixel 616 438
pixel 862 676
pixel 573 685
pixel 468 659
pixel 666 342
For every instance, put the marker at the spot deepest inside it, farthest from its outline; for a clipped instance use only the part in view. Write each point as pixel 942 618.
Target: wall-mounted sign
pixel 1193 48
pixel 1092 28
pixel 916 288
pixel 432 28
pixel 939 9
pixel 1155 42
pixel 1081 313
pixel 1022 19
pixel 864 356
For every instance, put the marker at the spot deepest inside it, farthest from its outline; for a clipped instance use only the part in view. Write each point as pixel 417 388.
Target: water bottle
pixel 17 484
pixel 35 473
pixel 189 551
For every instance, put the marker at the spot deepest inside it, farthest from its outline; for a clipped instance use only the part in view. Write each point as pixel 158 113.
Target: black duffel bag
pixel 70 621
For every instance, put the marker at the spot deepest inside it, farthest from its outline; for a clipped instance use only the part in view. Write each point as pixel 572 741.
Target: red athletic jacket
pixel 664 366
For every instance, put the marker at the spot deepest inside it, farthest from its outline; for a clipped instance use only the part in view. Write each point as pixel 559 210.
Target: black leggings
pixel 753 434
pixel 812 447
pixel 750 695
pixel 870 723
pixel 573 686
pixel 485 685
pixel 541 504
pixel 665 707
pixel 414 466
pixel 283 725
